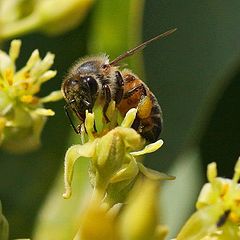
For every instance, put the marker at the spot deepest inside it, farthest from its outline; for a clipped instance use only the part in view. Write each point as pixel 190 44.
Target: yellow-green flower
pixel 22 115
pixel 218 209
pixel 114 162
pixel 18 17
pixel 139 219
pixel 136 220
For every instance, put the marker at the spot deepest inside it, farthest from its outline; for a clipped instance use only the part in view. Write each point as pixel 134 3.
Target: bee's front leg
pixel 119 88
pixel 107 95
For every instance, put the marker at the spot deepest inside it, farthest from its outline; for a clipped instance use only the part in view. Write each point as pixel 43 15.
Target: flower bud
pixel 97 224
pixel 139 219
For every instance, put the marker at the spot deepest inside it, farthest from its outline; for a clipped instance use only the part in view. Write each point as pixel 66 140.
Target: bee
pixel 97 80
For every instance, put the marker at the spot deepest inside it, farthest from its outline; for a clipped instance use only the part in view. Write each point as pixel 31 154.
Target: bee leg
pixel 107 94
pixel 120 85
pixel 94 127
pixel 144 107
pixel 66 108
pixel 223 218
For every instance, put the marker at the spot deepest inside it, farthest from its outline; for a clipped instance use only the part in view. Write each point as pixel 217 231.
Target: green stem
pixel 20 27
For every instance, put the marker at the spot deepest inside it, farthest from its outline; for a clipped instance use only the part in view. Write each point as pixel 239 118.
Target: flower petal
pixel 129 118
pixel 5 62
pixel 46 76
pixel 44 112
pixel 42 66
pixel 154 175
pixel 127 172
pixel 149 148
pixel 14 50
pixel 72 154
pixel 52 97
pixel 89 124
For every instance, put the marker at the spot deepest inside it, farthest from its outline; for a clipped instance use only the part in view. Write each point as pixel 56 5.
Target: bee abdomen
pixel 148 122
pixel 151 127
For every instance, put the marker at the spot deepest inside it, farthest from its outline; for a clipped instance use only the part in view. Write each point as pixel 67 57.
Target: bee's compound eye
pixel 92 83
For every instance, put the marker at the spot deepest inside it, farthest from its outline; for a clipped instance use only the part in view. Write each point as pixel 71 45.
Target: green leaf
pixel 220 140
pixel 59 217
pixel 178 197
pixel 189 70
pixel 125 33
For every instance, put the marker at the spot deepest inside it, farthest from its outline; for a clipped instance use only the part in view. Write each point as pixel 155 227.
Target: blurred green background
pixel 195 74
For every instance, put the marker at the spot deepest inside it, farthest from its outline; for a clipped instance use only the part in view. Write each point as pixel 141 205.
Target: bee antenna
pixel 141 46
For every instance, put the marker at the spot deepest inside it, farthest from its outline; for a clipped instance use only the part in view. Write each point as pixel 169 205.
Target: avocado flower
pixel 138 219
pixel 19 17
pixel 218 209
pixel 114 158
pixel 22 114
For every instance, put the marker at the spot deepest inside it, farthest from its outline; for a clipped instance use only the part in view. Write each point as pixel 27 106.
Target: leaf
pixel 125 33
pixel 220 140
pixel 189 70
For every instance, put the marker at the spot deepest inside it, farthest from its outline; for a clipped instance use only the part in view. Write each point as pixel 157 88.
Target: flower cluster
pixel 218 209
pixel 22 115
pixel 117 176
pixel 114 162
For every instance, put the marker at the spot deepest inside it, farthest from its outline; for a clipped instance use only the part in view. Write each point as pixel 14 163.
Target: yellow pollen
pixel 224 189
pixel 9 76
pixel 25 85
pixel 26 75
pixel 237 201
pixel 2 122
pixel 234 217
pixel 29 99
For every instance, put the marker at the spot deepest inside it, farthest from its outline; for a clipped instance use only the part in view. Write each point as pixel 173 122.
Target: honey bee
pixel 97 80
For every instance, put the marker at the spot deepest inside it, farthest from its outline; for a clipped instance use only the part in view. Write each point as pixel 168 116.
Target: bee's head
pixel 80 89
pixel 83 82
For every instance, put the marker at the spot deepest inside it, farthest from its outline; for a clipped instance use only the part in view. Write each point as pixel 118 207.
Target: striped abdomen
pixel 136 94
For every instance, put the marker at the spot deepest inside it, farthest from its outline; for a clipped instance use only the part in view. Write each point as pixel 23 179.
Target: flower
pixel 139 219
pixel 51 16
pixel 114 162
pixel 136 220
pixel 218 209
pixel 22 115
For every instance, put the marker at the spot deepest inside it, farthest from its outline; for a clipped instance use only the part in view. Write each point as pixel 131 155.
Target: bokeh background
pixel 194 73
